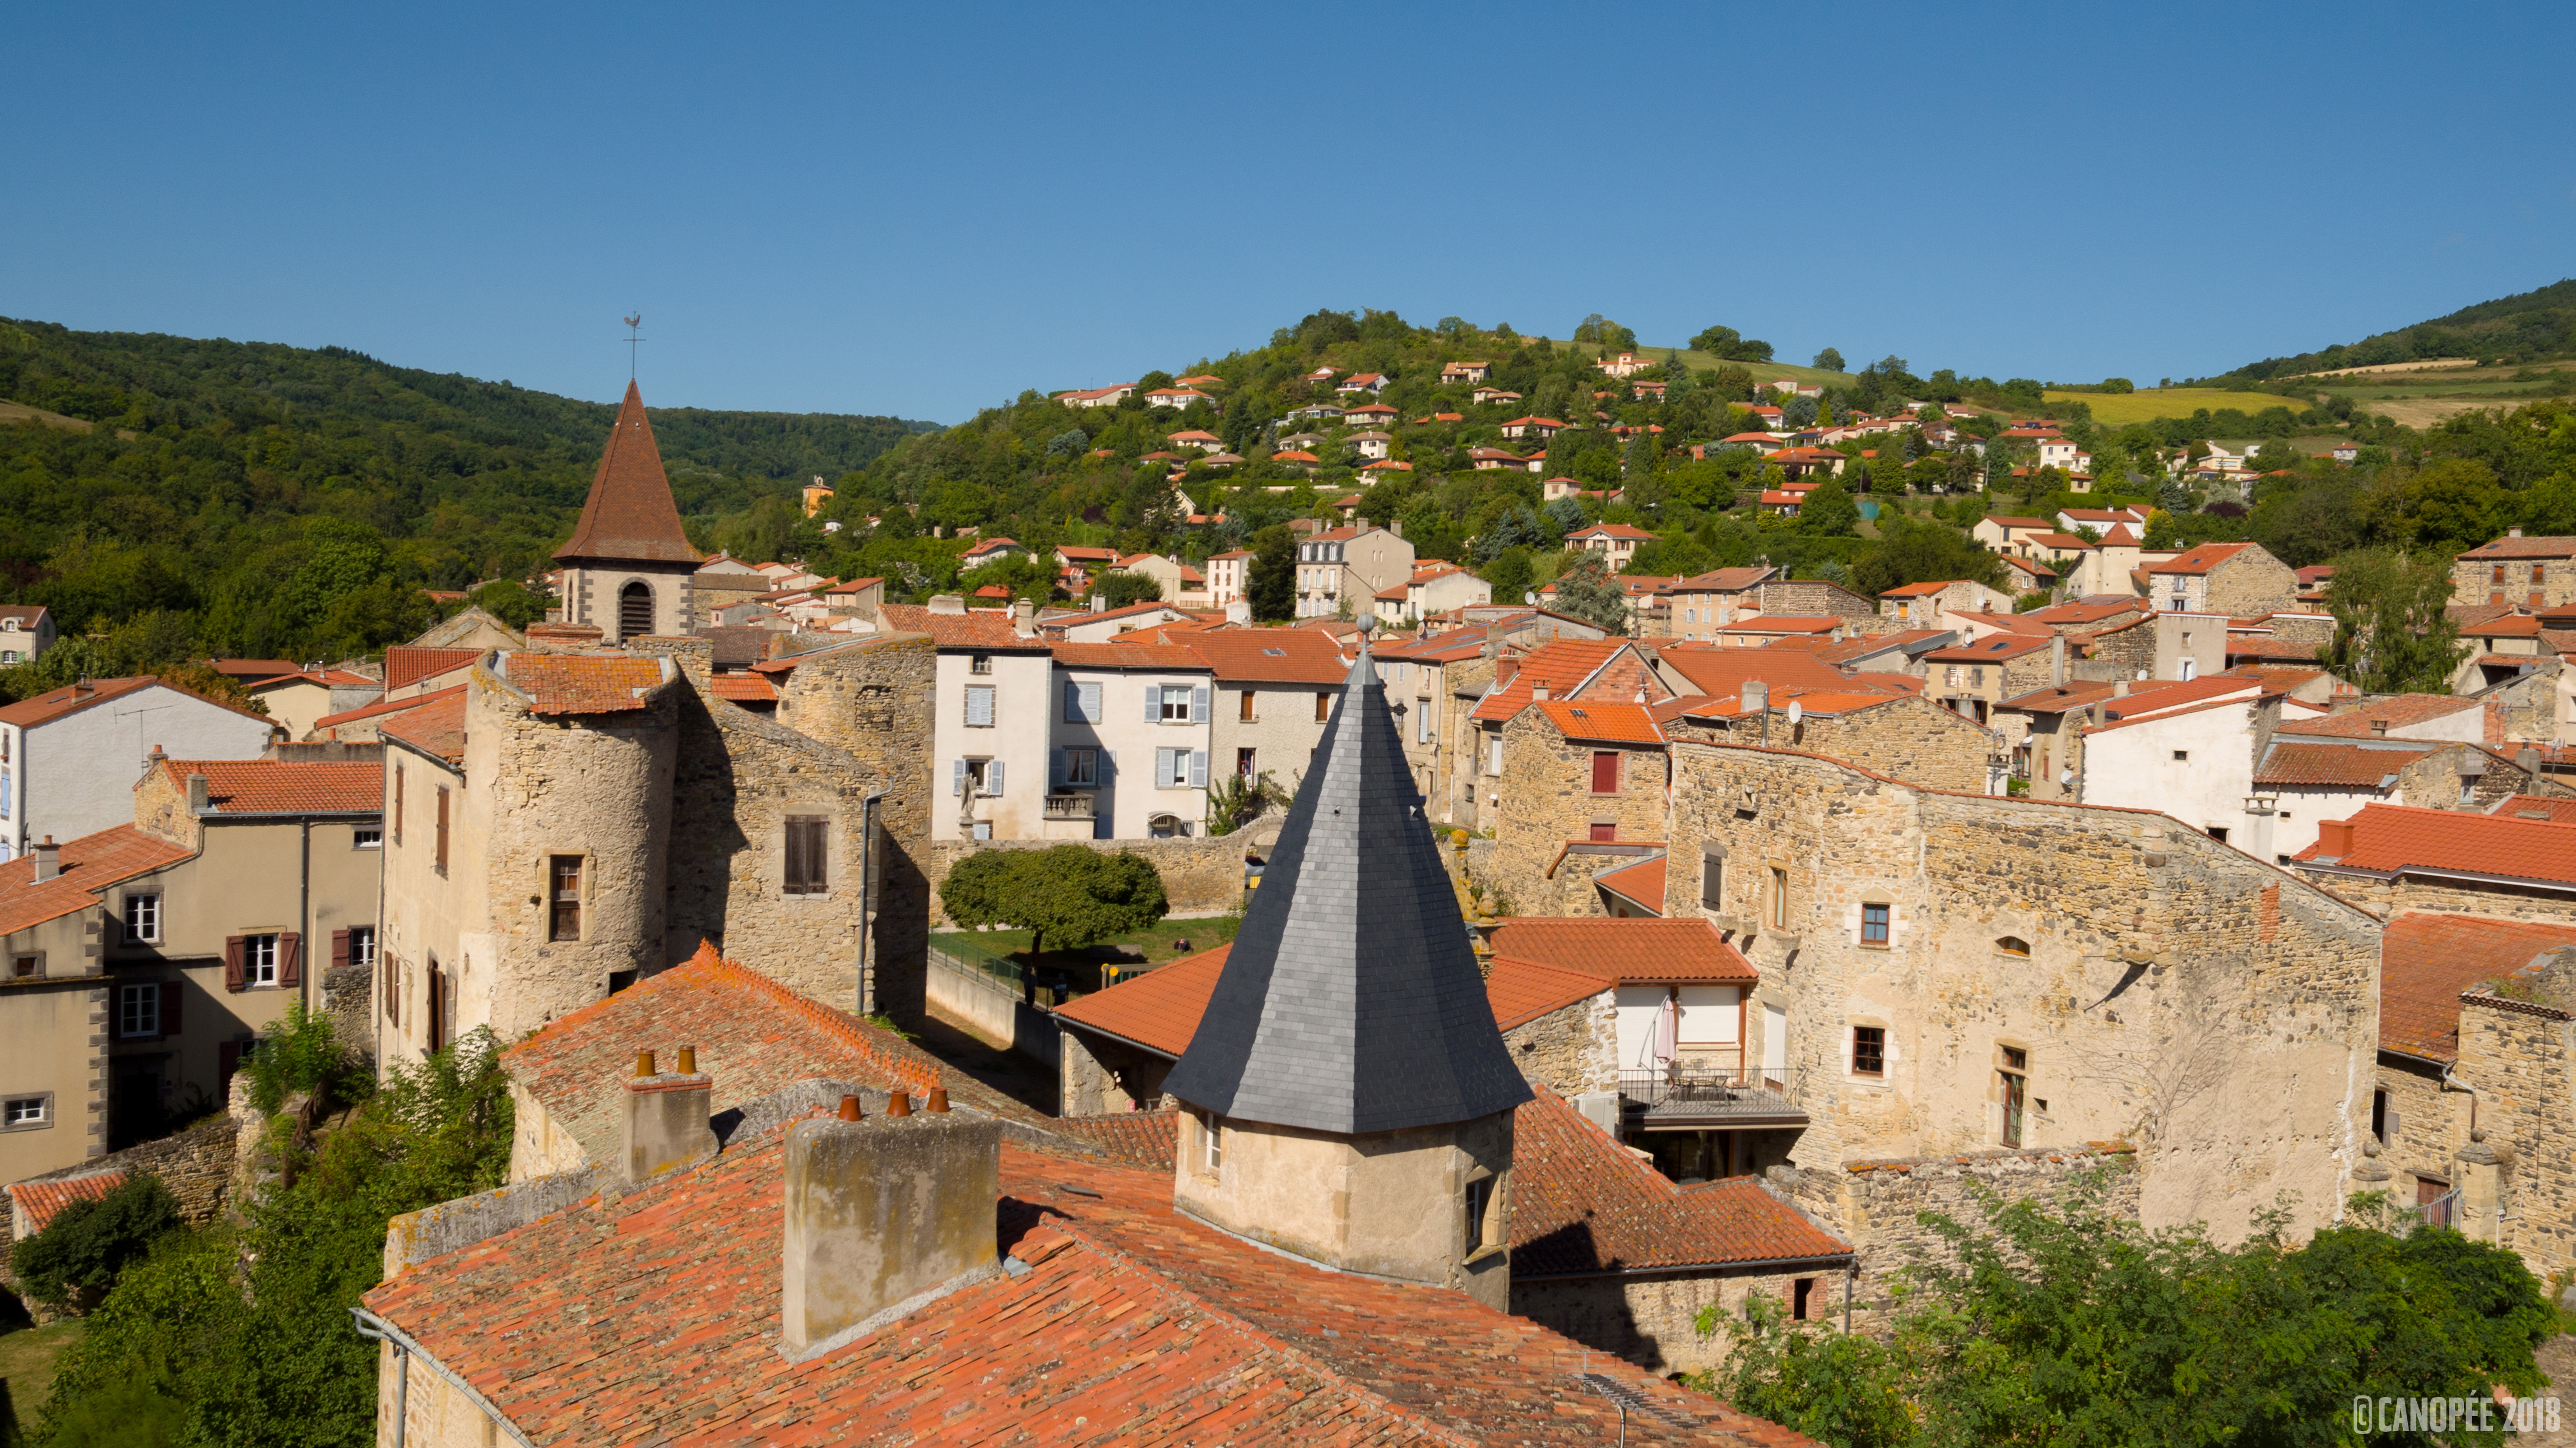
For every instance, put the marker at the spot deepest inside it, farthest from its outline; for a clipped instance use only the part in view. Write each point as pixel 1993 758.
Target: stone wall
pixel 2385 897
pixel 1911 738
pixel 1100 1076
pixel 2426 1128
pixel 195 1164
pixel 2520 1057
pixel 2120 651
pixel 2251 582
pixel 1547 800
pixel 1200 876
pixel 2150 980
pixel 1815 598
pixel 2434 780
pixel 1652 1321
pixel 2530 704
pixel 1573 1050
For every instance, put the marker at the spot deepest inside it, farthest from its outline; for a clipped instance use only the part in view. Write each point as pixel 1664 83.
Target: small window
pixel 26 967
pixel 1869 1050
pixel 979 706
pixel 635 609
pixel 1605 771
pixel 564 885
pixel 22 1112
pixel 1175 704
pixel 1324 709
pixel 1212 1142
pixel 143 918
pixel 1779 898
pixel 1712 880
pixel 362 946
pixel 1243 705
pixel 1480 1204
pixel 980 664
pixel 2012 945
pixel 1494 755
pixel 367 837
pixel 2535 573
pixel 398 801
pixel 2181 756
pixel 259 959
pixel 1802 1296
pixel 2218 833
pixel 1604 832
pixel 1082 767
pixel 808 846
pixel 138 1010
pixel 1873 925
pixel 2498 576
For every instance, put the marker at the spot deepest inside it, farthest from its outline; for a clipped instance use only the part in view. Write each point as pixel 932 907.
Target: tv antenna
pixel 632 342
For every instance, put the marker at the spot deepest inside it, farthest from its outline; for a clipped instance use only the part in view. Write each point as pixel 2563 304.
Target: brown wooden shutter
pixel 290 959
pixel 339 950
pixel 1605 772
pixel 170 1007
pixel 398 801
pixel 795 857
pixel 442 830
pixel 233 973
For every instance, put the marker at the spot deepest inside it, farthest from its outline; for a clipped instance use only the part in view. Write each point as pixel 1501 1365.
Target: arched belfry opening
pixel 634 609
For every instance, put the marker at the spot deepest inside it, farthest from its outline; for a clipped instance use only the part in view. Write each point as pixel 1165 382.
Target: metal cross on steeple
pixel 632 341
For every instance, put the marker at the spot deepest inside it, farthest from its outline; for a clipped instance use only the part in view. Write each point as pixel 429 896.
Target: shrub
pixel 89 1243
pixel 298 1053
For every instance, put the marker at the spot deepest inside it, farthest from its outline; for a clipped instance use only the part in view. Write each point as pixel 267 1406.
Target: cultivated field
pixel 2119 409
pixel 13 412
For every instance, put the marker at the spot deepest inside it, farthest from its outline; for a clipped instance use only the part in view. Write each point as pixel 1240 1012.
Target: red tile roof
pixel 2199 560
pixel 1148 1139
pixel 2522 548
pixel 2398 711
pixel 246 669
pixel 1283 656
pixel 37 1202
pixel 1994 648
pixel 90 865
pixel 1111 655
pixel 2427 960
pixel 406 664
pixel 1561 664
pixel 2291 649
pixel 341 678
pixel 743 688
pixel 2526 806
pixel 70 699
pixel 1642 882
pixel 629 513
pixel 583 683
pixel 2388 839
pixel 1786 623
pixel 272 786
pixel 437 727
pixel 1606 722
pixel 2353 766
pixel 1723 672
pixel 1520 991
pixel 1628 950
pixel 386 706
pixel 1583 1205
pixel 1158 1010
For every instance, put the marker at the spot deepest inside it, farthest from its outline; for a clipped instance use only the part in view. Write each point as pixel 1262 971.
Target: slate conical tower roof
pixel 1351 1001
pixel 630 514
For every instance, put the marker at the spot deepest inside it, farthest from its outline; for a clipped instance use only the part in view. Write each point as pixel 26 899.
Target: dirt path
pixel 1006 1071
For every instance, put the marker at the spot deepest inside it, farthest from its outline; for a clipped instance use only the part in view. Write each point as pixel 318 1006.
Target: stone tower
pixel 628 566
pixel 1349 1098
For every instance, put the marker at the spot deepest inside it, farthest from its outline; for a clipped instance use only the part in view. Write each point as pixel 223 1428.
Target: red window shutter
pixel 233 971
pixel 339 950
pixel 1605 832
pixel 170 1008
pixel 290 959
pixel 1605 772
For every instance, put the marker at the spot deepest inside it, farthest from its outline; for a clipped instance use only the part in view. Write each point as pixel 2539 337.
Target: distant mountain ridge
pixel 2531 324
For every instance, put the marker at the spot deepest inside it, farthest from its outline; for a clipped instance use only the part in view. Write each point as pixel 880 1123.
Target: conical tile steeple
pixel 630 514
pixel 1351 1001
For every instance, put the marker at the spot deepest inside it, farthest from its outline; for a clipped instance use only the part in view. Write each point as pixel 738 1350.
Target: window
pixel 2218 833
pixel 979 706
pixel 2181 755
pixel 1422 723
pixel 1603 831
pixel 25 1113
pixel 392 992
pixel 1802 1297
pixel 1323 708
pixel 563 894
pixel 1779 898
pixel 1243 706
pixel 367 837
pixel 980 664
pixel 1605 771
pixel 143 918
pixel 1243 767
pixel 2468 789
pixel 1173 704
pixel 259 960
pixel 362 946
pixel 2498 576
pixel 1873 924
pixel 1180 769
pixel 2535 574
pixel 1212 1139
pixel 634 609
pixel 1081 702
pixel 2379 1114
pixel 442 829
pixel 978 776
pixel 26 967
pixel 2013 945
pixel 138 1010
pixel 808 853
pixel 1869 1050
pixel 1712 879
pixel 1480 1206
pixel 2016 1088
pixel 1494 755
pixel 1082 767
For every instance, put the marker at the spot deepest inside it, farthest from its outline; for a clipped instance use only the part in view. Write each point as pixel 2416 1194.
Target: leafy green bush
pixel 89 1242
pixel 297 1054
pixel 1067 895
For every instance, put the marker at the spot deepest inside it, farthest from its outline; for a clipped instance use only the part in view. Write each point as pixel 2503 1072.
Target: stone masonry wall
pixel 195 1164
pixel 2384 897
pixel 1815 599
pixel 1571 1050
pixel 2120 651
pixel 2521 1058
pixel 1653 1321
pixel 2427 1127
pixel 2152 980
pixel 1548 801
pixel 2434 781
pixel 2252 582
pixel 1200 876
pixel 1914 739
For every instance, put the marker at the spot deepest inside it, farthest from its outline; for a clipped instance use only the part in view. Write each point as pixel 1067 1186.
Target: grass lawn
pixel 2119 409
pixel 27 1356
pixel 1082 966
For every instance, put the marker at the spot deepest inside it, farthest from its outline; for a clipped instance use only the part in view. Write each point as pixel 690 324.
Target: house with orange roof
pixel 1590 770
pixel 1371 383
pixel 1494 459
pixel 1873 721
pixel 1340 570
pixel 1097 396
pixel 1922 605
pixel 142 959
pixel 1485 395
pixel 1615 542
pixel 2230 578
pixel 2004 533
pixel 1611 670
pixel 1538 427
pixel 1695 607
pixel 68 756
pixel 26 631
pixel 1465 372
pixel 1176 397
pixel 1125 743
pixel 296 700
pixel 1626 364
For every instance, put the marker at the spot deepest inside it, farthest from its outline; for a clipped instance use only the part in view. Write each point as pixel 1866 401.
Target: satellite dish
pixel 1797 711
pixel 1529 597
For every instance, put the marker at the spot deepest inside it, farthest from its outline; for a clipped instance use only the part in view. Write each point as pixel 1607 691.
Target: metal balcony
pixel 1685 1098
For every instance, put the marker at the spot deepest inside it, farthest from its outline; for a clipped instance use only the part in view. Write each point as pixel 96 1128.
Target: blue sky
pixel 923 210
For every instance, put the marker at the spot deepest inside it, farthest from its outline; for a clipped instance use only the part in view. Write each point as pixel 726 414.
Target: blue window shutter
pixel 1059 765
pixel 1153 703
pixel 1198 769
pixel 1199 705
pixel 1108 767
pixel 993 778
pixel 1072 702
pixel 1091 704
pixel 1162 767
pixel 957 777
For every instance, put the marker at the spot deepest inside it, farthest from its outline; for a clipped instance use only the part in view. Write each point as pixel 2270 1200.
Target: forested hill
pixel 275 500
pixel 2512 329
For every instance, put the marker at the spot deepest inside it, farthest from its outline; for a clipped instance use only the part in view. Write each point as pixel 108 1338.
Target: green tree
pixel 1728 345
pixel 1828 512
pixel 1915 550
pixel 1271 582
pixel 89 1242
pixel 1121 587
pixel 1069 894
pixel 1586 590
pixel 2393 631
pixel 1830 360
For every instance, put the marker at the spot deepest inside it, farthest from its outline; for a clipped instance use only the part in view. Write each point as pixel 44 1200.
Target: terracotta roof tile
pixel 1723 672
pixel 406 665
pixel 274 786
pixel 1149 1139
pixel 2391 838
pixel 583 683
pixel 1642 882
pixel 1561 664
pixel 2522 548
pixel 386 706
pixel 1628 950
pixel 629 513
pixel 2527 806
pixel 37 1202
pixel 2399 711
pixel 1162 657
pixel 1160 1009
pixel 2199 560
pixel 437 727
pixel 1582 1204
pixel 1285 656
pixel 2427 960
pixel 2354 766
pixel 70 699
pixel 1607 722
pixel 743 688
pixel 89 866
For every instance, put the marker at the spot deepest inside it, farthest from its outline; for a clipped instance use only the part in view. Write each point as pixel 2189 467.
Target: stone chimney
pixel 1024 619
pixel 154 760
pixel 198 802
pixel 2057 659
pixel 1756 696
pixel 947 603
pixel 881 1214
pixel 1396 527
pixel 2119 688
pixel 2379 728
pixel 1539 689
pixel 2513 532
pixel 2528 759
pixel 49 858
pixel 666 1118
pixel 1099 602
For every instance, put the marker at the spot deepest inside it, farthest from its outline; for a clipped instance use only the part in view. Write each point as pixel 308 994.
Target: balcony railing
pixel 1069 806
pixel 1692 1096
